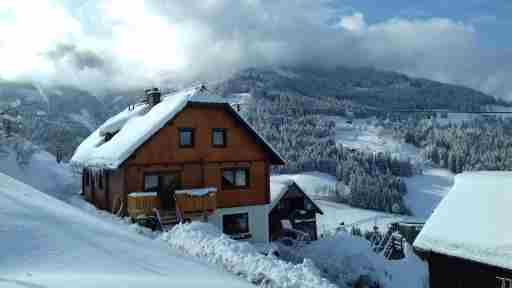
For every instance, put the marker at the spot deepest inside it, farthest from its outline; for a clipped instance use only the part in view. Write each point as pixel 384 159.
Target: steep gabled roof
pixel 136 124
pixel 279 188
pixel 473 220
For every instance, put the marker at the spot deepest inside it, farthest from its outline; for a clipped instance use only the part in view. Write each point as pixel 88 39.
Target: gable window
pixel 236 225
pixel 233 178
pixel 503 282
pixel 186 137
pixel 219 137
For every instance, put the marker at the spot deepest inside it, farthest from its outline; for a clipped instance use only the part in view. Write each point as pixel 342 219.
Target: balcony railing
pixel 142 203
pixel 193 201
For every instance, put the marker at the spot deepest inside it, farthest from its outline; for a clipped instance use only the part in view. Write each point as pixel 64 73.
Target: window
pixel 236 225
pixel 235 178
pixel 150 183
pixel 503 282
pixel 186 137
pixel 219 137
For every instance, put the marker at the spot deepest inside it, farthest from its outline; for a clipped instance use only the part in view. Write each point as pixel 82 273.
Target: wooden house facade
pixel 205 146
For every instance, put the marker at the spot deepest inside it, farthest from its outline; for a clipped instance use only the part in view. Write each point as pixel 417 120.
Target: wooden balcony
pixel 142 203
pixel 196 201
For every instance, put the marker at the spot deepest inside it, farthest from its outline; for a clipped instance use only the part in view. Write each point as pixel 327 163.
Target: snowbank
pixel 345 259
pixel 48 243
pixel 206 241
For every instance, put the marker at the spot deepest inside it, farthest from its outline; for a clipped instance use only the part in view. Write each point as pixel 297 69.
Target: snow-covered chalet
pixel 180 156
pixel 468 239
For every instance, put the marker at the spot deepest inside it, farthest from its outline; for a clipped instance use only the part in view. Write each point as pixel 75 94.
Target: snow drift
pixel 206 241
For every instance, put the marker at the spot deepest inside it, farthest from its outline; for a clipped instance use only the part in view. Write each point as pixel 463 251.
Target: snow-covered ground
pixel 344 259
pixel 43 173
pixel 337 213
pixel 48 243
pixel 366 135
pixel 425 191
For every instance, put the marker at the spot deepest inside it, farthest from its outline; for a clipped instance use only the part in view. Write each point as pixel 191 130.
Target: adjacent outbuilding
pixel 468 239
pixel 292 212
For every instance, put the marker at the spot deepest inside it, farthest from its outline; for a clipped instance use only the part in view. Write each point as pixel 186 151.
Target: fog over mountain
pixel 104 45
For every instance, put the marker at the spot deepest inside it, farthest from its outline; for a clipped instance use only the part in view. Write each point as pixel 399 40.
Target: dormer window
pixel 219 137
pixel 186 137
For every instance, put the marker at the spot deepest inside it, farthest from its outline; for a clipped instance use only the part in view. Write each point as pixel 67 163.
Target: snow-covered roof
pixel 473 220
pixel 197 191
pixel 136 124
pixel 278 188
pixel 142 194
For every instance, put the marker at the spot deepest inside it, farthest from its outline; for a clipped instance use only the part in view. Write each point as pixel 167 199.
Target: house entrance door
pixel 168 183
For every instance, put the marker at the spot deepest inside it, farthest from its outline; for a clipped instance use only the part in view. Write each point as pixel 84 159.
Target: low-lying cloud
pixel 100 45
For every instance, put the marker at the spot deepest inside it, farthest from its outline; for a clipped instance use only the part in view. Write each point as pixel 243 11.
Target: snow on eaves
pixel 472 221
pixel 278 187
pixel 132 127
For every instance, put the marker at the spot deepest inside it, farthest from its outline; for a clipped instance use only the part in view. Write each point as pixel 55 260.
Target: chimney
pixel 153 96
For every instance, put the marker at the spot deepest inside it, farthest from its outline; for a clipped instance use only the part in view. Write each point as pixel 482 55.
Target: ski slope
pixel 48 243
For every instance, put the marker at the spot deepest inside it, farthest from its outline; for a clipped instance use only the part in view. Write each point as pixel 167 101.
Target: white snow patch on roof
pixel 142 194
pixel 278 187
pixel 133 126
pixel 472 221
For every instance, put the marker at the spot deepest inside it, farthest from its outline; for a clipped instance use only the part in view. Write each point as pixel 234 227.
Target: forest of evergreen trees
pixel 307 142
pixel 484 143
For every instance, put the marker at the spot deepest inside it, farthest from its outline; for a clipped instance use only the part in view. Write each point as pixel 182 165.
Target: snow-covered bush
pixel 241 258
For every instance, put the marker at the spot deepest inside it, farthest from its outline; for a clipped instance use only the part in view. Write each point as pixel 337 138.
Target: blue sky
pixel 103 44
pixel 492 19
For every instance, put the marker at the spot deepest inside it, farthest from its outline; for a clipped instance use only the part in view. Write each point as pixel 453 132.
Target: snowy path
pixel 48 243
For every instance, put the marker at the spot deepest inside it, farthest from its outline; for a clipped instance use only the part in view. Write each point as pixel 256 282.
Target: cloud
pixel 100 45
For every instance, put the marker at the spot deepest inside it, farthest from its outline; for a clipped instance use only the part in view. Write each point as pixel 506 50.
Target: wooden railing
pixel 192 201
pixel 142 203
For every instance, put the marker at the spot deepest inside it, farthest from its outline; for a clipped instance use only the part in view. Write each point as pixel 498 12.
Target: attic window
pixel 186 137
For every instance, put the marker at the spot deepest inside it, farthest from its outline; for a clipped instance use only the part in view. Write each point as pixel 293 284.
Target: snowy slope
pixel 366 135
pixel 424 192
pixel 47 243
pixel 43 173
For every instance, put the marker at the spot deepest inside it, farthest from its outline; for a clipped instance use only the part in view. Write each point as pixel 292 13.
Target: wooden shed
pixel 467 241
pixel 291 206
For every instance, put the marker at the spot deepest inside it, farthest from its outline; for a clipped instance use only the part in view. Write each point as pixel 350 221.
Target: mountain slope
pixel 47 243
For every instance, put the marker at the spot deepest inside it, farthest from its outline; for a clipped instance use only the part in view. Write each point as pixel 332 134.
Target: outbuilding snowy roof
pixel 473 220
pixel 136 124
pixel 278 188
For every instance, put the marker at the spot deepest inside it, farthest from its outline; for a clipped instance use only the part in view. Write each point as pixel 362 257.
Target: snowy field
pixel 316 184
pixel 427 190
pixel 48 243
pixel 366 135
